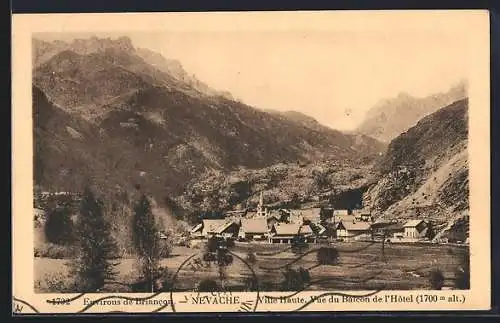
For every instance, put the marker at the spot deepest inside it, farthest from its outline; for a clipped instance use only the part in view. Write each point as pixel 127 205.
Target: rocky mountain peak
pixel 390 117
pixel 95 44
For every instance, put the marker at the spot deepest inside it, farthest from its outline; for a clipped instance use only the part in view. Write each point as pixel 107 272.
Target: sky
pixel 333 75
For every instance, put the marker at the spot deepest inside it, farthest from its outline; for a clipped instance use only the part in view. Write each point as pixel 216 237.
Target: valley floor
pixel 361 267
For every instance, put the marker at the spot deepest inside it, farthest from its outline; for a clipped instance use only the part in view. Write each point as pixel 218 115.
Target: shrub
pixel 462 279
pixel 295 280
pixel 166 246
pixel 299 244
pixel 251 258
pixel 212 244
pixel 230 243
pixel 436 279
pixel 327 256
pixel 59 226
pixel 224 259
pixel 55 283
pixel 161 281
pixel 321 179
pixel 209 257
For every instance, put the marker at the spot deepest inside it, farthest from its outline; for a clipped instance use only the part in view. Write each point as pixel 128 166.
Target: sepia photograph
pixel 250 160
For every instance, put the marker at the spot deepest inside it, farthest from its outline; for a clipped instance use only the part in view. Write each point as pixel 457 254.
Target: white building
pixel 415 230
pixel 352 230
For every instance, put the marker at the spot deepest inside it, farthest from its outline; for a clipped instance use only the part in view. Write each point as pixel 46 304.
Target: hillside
pixel 299 118
pixel 361 142
pixel 390 117
pixel 105 113
pixel 283 185
pixel 424 173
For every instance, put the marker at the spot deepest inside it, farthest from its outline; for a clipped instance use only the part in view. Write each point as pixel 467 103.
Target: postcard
pixel 251 162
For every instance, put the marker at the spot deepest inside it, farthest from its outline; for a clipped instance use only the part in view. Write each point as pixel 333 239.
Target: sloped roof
pixel 287 229
pixel 395 227
pixel 382 224
pixel 306 229
pixel 197 228
pixel 412 223
pixel 223 227
pixel 356 226
pixel 254 225
pixel 212 225
pixel 291 229
pixel 312 215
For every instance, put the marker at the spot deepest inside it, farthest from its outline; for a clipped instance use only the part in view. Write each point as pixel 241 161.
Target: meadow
pixel 360 266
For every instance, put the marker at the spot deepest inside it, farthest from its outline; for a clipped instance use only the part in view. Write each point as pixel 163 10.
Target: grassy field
pixel 361 266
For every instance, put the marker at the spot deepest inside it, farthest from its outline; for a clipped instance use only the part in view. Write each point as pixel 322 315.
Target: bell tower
pixel 261 211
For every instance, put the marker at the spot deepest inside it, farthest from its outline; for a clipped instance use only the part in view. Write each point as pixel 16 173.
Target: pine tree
pixel 147 242
pixel 93 266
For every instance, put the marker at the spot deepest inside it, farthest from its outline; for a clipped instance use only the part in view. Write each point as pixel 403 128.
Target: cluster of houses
pixel 283 225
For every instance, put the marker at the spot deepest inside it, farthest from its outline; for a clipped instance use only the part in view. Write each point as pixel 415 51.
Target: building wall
pixel 411 232
pixel 353 235
pixel 342 233
pixel 398 235
pixel 251 236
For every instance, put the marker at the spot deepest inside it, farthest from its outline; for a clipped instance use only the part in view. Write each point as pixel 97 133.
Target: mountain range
pixel 114 115
pixel 390 117
pixel 117 115
pixel 423 174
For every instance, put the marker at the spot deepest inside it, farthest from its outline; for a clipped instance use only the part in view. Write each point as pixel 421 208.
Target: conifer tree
pixel 94 265
pixel 147 242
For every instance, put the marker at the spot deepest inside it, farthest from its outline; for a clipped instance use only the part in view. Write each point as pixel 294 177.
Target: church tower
pixel 261 212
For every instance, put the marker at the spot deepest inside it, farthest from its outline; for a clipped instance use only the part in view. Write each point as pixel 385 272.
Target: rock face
pixel 391 117
pixel 424 173
pixel 109 113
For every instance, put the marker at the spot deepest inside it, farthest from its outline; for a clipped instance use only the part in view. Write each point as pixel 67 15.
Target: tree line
pixel 96 254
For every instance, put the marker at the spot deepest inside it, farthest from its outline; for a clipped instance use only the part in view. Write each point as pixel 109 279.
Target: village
pixel 313 225
pixel 282 225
